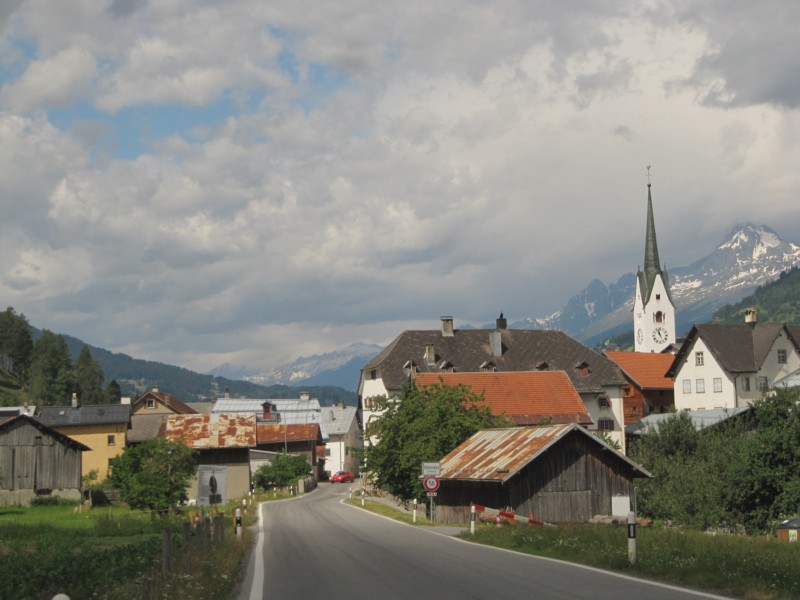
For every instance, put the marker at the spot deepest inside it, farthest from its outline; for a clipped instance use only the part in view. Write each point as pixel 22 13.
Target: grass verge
pixel 752 568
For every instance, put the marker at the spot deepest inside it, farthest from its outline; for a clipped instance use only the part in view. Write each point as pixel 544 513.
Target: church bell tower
pixel 653 310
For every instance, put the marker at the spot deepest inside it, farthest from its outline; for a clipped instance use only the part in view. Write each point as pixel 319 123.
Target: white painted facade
pixel 344 438
pixel 654 323
pixel 602 415
pixel 701 383
pixel 370 387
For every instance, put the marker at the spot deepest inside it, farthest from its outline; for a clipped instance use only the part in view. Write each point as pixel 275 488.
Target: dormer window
pixel 447 367
pixel 488 366
pixel 583 369
pixel 410 367
pixel 542 366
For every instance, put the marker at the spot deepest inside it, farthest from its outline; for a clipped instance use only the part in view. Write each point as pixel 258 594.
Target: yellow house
pixel 101 427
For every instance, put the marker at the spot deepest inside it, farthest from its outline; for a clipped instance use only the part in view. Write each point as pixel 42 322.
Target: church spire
pixel 651 263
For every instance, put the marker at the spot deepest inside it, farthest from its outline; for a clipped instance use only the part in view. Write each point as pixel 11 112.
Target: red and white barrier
pixel 509 516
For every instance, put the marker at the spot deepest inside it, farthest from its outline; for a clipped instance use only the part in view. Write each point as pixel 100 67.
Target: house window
pixel 605 425
pixel 761 383
pixel 699 359
pixel 717 384
pixel 627 391
pixel 327 451
pixel 781 357
pixel 373 374
pixel 658 296
pixel 700 386
pixel 150 403
pixel 112 440
pixel 687 386
pixel 604 402
pixel 37 441
pixel 110 464
pixel 745 384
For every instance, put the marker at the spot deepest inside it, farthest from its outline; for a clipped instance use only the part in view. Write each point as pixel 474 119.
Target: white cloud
pixel 360 169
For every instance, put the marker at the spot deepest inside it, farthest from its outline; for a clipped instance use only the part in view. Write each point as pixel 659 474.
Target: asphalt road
pixel 317 547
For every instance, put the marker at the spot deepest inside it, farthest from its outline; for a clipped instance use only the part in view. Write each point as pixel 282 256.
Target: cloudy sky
pixel 201 182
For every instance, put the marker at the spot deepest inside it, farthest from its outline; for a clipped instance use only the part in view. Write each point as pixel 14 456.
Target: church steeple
pixel 652 266
pixel 654 312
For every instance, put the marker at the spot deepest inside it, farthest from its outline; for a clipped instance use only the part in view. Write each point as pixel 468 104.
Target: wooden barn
pixel 37 460
pixel 560 473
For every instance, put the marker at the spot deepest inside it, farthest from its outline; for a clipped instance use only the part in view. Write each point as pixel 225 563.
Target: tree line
pixel 44 368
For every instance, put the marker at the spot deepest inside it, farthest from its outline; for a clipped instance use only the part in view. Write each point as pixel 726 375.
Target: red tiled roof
pixel 646 369
pixel 205 431
pixel 526 397
pixel 269 433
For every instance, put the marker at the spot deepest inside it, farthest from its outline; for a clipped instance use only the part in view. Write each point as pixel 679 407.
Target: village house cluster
pixel 574 412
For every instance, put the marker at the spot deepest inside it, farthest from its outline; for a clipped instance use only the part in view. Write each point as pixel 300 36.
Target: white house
pixel 344 438
pixel 730 365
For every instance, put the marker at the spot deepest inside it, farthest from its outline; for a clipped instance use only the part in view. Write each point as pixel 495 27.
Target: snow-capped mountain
pixel 332 368
pixel 748 257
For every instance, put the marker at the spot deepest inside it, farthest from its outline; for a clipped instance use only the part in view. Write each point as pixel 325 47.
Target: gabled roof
pixel 8 424
pixel 525 397
pixel 172 402
pixel 90 414
pixel 737 347
pixel 522 350
pixel 647 370
pixel 496 455
pixel 338 420
pixel 208 431
pixel 269 433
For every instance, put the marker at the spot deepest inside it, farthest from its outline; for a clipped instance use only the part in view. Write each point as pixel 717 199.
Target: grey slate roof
pixel 144 427
pixel 93 414
pixel 11 422
pixel 523 350
pixel 338 420
pixel 737 347
pixel 700 419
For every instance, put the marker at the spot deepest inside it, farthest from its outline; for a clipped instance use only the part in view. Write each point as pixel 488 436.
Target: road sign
pixel 434 493
pixel 430 483
pixel 431 468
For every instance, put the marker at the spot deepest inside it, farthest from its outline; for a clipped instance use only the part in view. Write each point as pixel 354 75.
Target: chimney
pixel 125 400
pixel 227 392
pixel 74 400
pixel 751 316
pixel 430 355
pixel 447 326
pixel 304 396
pixel 155 389
pixel 501 322
pixel 496 343
pixel 341 404
pixel 267 411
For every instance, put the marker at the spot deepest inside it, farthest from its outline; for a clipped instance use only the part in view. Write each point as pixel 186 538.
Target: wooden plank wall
pixel 30 459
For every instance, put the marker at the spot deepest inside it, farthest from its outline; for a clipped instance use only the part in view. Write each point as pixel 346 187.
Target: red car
pixel 342 477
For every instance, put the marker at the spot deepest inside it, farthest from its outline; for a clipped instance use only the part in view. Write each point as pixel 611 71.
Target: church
pixel 653 309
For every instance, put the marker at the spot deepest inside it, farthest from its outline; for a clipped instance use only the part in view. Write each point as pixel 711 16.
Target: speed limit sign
pixel 430 483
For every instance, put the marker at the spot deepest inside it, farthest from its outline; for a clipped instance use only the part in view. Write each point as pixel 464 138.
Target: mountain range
pixel 748 257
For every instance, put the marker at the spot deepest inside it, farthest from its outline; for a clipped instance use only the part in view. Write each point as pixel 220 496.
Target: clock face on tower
pixel 660 335
pixel 639 336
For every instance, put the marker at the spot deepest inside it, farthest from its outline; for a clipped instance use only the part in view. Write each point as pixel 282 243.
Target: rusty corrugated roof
pixel 269 433
pixel 498 454
pixel 202 431
pixel 525 397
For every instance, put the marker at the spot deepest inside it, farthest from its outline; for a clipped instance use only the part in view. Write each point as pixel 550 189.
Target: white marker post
pixel 473 515
pixel 414 514
pixel 632 537
pixel 238 521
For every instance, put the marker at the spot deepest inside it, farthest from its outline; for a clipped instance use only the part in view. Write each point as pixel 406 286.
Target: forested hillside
pixel 778 301
pixel 40 367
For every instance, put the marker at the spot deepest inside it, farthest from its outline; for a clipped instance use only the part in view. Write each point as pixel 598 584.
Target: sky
pixel 201 182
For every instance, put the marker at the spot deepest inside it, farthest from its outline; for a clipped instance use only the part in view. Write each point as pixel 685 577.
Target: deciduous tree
pixel 153 475
pixel 285 469
pixel 423 426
